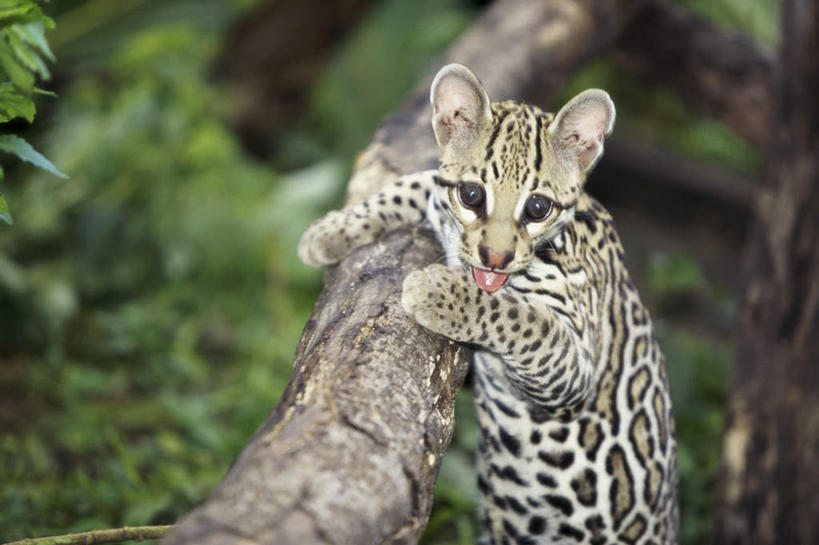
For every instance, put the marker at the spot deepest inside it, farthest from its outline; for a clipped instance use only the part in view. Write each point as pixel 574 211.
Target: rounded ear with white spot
pixel 579 128
pixel 461 109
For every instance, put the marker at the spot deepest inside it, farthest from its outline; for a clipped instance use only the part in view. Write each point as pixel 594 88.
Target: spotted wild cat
pixel 577 434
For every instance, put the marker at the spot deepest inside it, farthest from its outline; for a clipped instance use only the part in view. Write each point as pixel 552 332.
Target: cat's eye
pixel 471 195
pixel 538 208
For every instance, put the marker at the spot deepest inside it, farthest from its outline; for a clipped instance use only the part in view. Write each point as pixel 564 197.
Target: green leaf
pixel 24 52
pixel 22 149
pixel 17 73
pixel 5 215
pixel 34 35
pixel 14 103
pixel 21 12
pixel 45 92
pixel 14 9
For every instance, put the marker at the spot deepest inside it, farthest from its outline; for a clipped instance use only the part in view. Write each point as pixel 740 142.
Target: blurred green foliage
pixel 698 370
pixel 151 305
pixel 698 367
pixel 23 52
pixel 756 18
pixel 382 61
pixel 368 77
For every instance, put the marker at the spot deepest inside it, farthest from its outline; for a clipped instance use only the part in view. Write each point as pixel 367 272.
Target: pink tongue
pixel 488 280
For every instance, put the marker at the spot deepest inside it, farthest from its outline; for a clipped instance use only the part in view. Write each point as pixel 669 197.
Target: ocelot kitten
pixel 577 435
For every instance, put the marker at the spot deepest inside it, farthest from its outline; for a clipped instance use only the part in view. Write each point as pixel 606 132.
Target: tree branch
pixel 660 167
pixel 351 453
pixel 720 74
pixel 114 535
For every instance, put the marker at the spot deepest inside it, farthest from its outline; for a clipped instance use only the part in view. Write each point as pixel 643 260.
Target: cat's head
pixel 510 174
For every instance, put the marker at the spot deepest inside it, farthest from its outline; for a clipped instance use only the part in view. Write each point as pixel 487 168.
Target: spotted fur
pixel 577 433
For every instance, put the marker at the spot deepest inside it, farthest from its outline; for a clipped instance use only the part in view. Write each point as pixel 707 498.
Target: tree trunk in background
pixel 769 491
pixel 277 52
pixel 351 453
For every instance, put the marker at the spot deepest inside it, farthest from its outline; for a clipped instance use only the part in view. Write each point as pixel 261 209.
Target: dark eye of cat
pixel 471 195
pixel 538 208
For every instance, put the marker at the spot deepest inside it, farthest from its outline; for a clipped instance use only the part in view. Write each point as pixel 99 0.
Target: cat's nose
pixel 494 260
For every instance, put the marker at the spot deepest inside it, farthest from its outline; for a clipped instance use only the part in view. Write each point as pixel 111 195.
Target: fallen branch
pixel 114 535
pixel 351 453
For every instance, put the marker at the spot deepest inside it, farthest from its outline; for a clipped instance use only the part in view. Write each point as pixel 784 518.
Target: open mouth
pixel 490 281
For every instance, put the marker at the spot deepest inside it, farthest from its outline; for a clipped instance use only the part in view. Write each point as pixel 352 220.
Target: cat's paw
pixel 436 298
pixel 331 239
pixel 319 245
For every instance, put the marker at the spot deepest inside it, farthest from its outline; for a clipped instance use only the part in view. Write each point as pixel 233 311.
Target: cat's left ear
pixel 579 128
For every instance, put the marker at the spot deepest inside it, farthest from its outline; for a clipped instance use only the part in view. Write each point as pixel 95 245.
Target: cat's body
pixel 577 442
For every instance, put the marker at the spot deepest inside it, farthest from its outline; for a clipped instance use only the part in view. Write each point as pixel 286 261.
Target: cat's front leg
pixel 336 235
pixel 546 357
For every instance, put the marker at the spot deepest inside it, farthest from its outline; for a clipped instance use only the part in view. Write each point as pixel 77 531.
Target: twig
pixel 113 535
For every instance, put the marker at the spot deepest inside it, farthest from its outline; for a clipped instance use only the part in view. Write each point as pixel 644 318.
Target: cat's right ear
pixel 461 110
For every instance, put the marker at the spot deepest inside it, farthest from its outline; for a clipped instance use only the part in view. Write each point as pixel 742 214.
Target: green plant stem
pixel 113 535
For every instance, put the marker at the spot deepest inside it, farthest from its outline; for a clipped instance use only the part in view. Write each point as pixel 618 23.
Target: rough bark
pixel 351 452
pixel 718 73
pixel 771 444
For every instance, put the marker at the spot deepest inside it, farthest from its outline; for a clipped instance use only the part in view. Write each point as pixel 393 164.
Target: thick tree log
pixel 351 453
pixel 771 444
pixel 718 73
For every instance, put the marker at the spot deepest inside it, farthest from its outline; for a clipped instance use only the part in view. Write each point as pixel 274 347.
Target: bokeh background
pixel 150 305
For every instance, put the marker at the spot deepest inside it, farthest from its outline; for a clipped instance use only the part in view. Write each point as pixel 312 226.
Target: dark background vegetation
pixel 150 304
